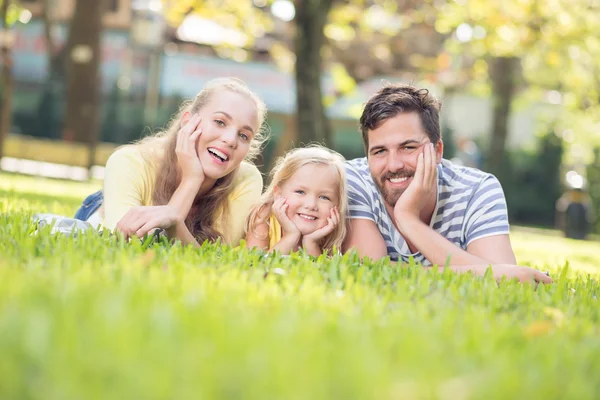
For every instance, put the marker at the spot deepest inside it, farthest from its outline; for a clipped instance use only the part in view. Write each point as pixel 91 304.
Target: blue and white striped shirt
pixel 470 206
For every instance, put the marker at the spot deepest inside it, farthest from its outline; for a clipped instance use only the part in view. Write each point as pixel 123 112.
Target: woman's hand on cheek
pixel 141 220
pixel 187 156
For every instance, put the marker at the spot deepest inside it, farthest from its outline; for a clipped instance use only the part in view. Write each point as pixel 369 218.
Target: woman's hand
pixel 141 220
pixel 290 229
pixel 187 155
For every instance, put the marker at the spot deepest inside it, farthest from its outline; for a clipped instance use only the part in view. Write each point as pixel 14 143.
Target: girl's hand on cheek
pixel 332 221
pixel 280 208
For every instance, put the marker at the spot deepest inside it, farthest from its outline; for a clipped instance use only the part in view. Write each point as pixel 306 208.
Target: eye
pixel 243 136
pixel 219 122
pixel 378 152
pixel 409 149
pixel 325 198
pixel 299 191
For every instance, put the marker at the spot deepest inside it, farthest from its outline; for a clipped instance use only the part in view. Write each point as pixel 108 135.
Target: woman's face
pixel 229 123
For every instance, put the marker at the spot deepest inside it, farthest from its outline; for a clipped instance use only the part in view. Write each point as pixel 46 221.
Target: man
pixel 407 201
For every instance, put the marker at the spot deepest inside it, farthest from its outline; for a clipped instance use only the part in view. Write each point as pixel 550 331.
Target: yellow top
pixel 274 231
pixel 132 182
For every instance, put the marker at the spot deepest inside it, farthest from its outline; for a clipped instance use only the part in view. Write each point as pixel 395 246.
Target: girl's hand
pixel 279 208
pixel 187 156
pixel 141 220
pixel 332 221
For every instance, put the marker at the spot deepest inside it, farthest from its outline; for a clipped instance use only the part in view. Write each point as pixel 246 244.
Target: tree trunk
pixel 83 53
pixel 5 78
pixel 503 73
pixel 311 16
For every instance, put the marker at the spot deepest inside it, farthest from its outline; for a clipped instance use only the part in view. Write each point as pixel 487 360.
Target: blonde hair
pixel 201 219
pixel 283 170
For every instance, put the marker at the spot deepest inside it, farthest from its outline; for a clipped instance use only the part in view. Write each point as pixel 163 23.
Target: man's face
pixel 392 154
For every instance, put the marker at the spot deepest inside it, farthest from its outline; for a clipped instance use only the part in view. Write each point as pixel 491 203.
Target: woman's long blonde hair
pixel 201 218
pixel 283 170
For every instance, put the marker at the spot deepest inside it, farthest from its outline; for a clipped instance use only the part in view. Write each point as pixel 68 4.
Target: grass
pixel 92 318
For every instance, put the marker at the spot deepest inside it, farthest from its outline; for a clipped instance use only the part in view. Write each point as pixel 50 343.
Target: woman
pixel 194 179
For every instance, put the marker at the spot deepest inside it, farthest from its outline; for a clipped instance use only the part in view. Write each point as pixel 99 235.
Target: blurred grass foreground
pixel 89 317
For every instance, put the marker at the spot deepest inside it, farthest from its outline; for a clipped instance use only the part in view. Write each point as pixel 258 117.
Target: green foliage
pixel 593 178
pixel 532 182
pixel 91 317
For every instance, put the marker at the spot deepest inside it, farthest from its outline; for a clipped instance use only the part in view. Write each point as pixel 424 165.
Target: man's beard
pixel 391 196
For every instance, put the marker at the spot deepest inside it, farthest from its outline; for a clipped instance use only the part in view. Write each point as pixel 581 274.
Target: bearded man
pixel 407 201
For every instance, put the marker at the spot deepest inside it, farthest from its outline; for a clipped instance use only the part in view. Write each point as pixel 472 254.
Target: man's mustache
pixel 398 174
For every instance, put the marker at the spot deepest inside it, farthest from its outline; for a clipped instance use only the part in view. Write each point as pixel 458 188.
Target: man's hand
pixel 140 220
pixel 422 186
pixel 523 274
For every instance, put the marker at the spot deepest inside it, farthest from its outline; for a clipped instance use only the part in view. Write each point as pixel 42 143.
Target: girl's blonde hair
pixel 283 170
pixel 201 218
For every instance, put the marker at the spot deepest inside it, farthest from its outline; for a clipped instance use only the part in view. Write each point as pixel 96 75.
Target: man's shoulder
pixel 358 168
pixel 461 177
pixel 358 164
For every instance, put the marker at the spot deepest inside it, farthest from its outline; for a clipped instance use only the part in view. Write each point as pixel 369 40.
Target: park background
pixel 519 80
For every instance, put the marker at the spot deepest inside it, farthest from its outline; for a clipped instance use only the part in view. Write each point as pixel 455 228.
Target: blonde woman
pixel 304 205
pixel 195 179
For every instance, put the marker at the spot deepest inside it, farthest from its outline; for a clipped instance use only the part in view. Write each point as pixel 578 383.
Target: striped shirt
pixel 470 206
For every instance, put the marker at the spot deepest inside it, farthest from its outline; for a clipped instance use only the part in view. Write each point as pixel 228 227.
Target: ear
pixel 276 190
pixel 185 118
pixel 439 150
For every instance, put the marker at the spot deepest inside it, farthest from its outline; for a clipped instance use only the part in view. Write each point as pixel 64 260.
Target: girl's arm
pixel 258 235
pixel 311 247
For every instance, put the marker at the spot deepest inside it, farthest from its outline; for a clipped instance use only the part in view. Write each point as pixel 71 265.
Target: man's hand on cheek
pixel 422 186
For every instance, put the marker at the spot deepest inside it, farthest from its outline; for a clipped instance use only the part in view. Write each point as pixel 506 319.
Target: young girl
pixel 304 205
pixel 194 179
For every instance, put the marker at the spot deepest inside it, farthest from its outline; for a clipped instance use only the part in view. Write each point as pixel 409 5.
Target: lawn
pixel 92 318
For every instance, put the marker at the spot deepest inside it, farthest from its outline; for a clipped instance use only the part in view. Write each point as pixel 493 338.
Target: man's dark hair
pixel 394 99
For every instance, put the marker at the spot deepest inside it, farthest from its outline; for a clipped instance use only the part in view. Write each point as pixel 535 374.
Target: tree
pixel 83 50
pixel 519 43
pixel 8 15
pixel 310 20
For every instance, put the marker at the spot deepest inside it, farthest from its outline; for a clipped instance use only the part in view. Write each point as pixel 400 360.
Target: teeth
pixel 398 180
pixel 219 154
pixel 308 217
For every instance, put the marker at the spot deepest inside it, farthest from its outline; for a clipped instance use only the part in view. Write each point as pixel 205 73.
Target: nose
pixel 229 137
pixel 395 162
pixel 310 202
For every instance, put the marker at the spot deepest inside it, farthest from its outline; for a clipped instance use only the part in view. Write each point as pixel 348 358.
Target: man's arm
pixel 437 249
pixel 496 249
pixel 364 237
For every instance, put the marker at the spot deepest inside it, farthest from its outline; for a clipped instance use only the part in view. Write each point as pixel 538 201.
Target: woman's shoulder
pixel 248 173
pixel 126 155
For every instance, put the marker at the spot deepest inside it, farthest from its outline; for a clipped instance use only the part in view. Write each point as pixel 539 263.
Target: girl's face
pixel 311 192
pixel 229 123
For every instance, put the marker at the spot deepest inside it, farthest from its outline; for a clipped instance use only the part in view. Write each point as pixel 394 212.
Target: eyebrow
pixel 229 116
pixel 406 142
pixel 325 191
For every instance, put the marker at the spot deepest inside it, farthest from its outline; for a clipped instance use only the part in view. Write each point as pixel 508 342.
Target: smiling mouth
pixel 399 180
pixel 218 155
pixel 307 217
